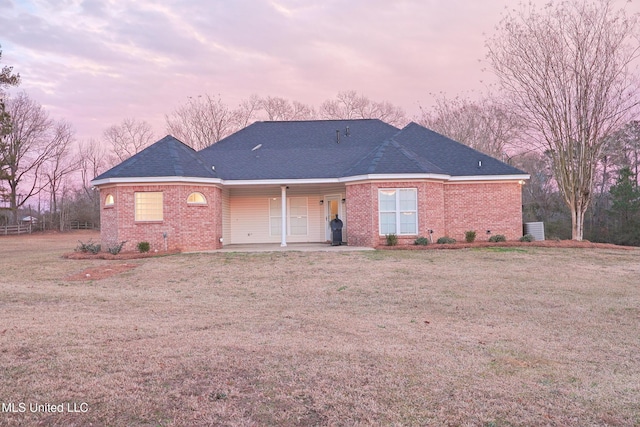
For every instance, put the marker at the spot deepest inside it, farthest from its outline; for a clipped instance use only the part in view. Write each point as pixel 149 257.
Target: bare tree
pixel 247 111
pixel 565 70
pixel 29 144
pixel 279 109
pixel 129 137
pixel 56 171
pixel 92 160
pixel 202 121
pixel 351 105
pixel 484 125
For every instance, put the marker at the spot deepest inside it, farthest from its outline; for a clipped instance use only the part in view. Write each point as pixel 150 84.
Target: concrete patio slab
pixel 300 247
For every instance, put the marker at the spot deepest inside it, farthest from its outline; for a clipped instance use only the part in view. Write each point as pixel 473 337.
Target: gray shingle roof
pixel 314 149
pixel 167 157
pixel 452 157
pixel 295 150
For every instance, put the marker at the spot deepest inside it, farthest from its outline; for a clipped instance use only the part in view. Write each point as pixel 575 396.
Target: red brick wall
pixel 188 227
pixel 483 206
pixel 362 211
pixel 108 218
pixel 362 208
pixel 447 209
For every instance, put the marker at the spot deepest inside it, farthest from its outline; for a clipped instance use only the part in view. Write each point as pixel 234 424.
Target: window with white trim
pixel 398 211
pixel 196 198
pixel 109 200
pixel 148 206
pixel 275 216
pixel 297 216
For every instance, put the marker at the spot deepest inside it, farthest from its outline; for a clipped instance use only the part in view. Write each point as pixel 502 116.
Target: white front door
pixel 333 207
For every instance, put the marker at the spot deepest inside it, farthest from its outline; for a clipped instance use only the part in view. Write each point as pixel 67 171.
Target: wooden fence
pixel 82 225
pixel 15 229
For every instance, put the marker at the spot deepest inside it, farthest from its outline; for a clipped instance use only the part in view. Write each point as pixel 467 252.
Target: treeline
pixel 57 170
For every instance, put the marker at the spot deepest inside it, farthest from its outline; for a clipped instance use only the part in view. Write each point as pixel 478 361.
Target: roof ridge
pixel 356 164
pixel 411 155
pixel 189 151
pixel 318 120
pixel 177 164
pixel 379 153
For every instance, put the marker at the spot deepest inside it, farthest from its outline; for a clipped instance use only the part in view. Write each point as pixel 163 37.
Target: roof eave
pixel 289 181
pixel 155 180
pixel 512 177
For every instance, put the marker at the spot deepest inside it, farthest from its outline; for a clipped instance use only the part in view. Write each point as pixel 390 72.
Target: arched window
pixel 196 198
pixel 109 200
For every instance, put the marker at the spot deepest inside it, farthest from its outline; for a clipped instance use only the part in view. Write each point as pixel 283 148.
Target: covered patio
pixel 291 247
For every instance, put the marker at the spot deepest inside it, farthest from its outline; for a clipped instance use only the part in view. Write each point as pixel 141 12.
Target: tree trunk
pixel 577 221
pixel 13 205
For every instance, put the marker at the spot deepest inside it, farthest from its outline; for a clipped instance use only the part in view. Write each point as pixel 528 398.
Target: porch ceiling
pixel 292 189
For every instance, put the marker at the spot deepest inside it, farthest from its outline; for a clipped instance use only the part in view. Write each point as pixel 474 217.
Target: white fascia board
pixel 489 178
pixel 395 177
pixel 371 177
pixel 233 182
pixel 348 179
pixel 156 180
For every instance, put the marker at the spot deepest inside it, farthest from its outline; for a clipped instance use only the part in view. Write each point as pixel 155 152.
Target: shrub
pixel 144 246
pixel 470 236
pixel 498 238
pixel 445 240
pixel 115 250
pixel 392 239
pixel 422 241
pixel 527 238
pixel 89 247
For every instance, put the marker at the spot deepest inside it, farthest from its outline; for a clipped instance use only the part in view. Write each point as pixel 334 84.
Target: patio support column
pixel 283 190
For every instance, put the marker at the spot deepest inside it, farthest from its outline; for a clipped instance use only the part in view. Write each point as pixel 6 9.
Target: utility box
pixel 536 229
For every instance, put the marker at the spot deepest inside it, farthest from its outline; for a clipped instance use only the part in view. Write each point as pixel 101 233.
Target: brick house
pixel 282 182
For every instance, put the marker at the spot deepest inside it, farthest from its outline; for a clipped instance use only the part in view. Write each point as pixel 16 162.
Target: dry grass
pixel 478 337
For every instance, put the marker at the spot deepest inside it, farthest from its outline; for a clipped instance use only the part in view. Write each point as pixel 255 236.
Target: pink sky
pixel 96 62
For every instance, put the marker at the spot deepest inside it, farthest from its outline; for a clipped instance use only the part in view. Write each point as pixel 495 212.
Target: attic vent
pixel 479 164
pixel 346 132
pixel 338 136
pixel 256 147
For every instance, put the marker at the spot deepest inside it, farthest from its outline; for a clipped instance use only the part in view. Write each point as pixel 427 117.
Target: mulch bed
pixel 511 244
pixel 101 272
pixel 105 271
pixel 120 256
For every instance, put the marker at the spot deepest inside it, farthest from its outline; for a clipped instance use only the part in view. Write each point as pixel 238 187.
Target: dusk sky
pixel 96 62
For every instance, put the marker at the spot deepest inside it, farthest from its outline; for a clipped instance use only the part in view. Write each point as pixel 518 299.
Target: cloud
pixel 95 62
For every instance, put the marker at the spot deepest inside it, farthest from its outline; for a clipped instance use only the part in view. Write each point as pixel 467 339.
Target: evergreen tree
pixel 625 209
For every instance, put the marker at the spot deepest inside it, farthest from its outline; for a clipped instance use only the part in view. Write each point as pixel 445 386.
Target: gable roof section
pixel 392 158
pixel 166 158
pixel 454 158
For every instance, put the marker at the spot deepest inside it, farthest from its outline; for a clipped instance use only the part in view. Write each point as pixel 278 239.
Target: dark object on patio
pixel 336 231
